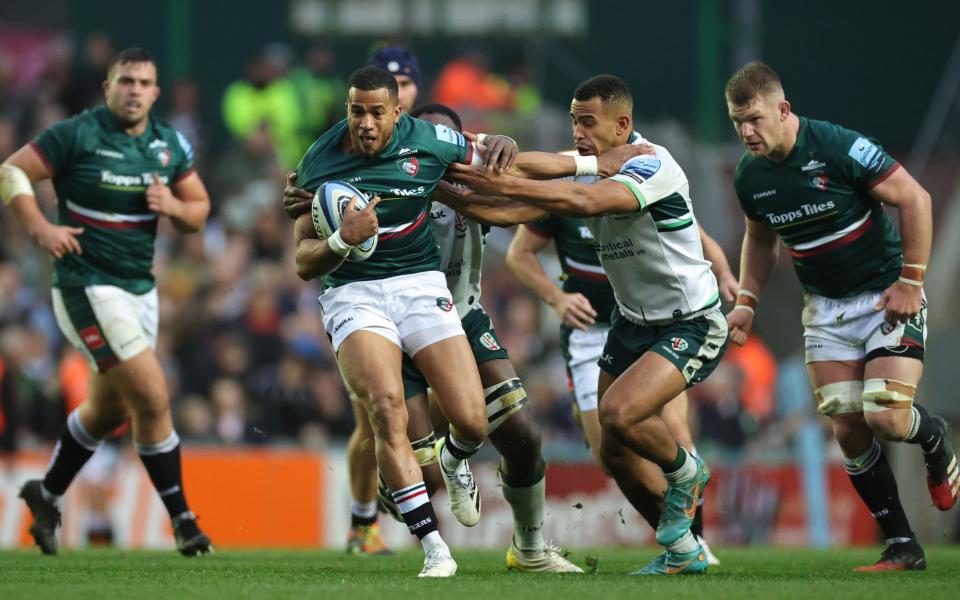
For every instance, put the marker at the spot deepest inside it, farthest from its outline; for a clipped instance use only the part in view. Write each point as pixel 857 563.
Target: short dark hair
pixel 609 88
pixel 131 55
pixel 438 109
pixel 750 80
pixel 368 79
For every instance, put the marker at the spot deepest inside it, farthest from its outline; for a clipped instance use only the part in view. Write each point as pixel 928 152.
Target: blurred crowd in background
pixel 241 337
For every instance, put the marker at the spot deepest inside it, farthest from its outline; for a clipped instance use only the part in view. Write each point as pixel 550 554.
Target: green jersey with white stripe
pixel 101 175
pixel 653 256
pixel 818 201
pixel 582 271
pixel 404 174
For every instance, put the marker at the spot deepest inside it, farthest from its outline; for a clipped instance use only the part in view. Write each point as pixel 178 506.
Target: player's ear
pixel 623 124
pixel 397 111
pixel 783 108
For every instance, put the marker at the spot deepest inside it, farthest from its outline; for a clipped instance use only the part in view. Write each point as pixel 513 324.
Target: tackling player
pixel 116 171
pixel 667 332
pixel 820 188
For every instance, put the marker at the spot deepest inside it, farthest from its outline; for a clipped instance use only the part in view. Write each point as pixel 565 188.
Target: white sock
pixel 686 472
pixel 433 543
pixel 527 506
pixel 363 509
pixel 686 543
pixel 450 462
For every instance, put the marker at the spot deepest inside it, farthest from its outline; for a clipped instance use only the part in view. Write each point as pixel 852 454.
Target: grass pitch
pixel 745 573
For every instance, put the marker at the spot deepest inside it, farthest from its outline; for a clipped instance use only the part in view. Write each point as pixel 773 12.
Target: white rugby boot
pixel 461 489
pixel 544 560
pixel 438 563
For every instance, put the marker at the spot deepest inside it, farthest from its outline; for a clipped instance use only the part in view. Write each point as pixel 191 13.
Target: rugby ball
pixel 326 210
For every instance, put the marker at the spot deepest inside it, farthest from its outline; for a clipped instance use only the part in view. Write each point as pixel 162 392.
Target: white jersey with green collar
pixel 653 256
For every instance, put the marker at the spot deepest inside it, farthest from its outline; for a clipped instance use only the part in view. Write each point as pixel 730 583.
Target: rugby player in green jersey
pixel 820 189
pixel 667 332
pixel 116 171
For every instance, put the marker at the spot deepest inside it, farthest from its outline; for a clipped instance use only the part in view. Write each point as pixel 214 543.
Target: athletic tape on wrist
pixel 337 245
pixel 586 165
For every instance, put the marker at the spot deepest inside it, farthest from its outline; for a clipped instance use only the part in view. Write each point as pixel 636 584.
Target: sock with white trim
pixel 73 450
pixel 873 479
pixel 162 461
pixel 414 504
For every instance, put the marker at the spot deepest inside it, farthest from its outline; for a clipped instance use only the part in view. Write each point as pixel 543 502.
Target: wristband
pixel 913 282
pixel 920 266
pixel 749 309
pixel 337 245
pixel 13 182
pixel 748 299
pixel 586 165
pixel 913 273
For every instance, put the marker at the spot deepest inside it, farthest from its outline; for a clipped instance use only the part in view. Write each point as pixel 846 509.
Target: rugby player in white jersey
pixel 667 333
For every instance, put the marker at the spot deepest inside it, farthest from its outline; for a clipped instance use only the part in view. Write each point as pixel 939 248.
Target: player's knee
pixel 616 416
pixel 387 416
pixel 503 400
pixel 886 407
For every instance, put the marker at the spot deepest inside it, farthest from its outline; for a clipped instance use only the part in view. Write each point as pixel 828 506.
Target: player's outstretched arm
pixel 903 299
pixel 574 310
pixel 491 211
pixel 726 280
pixel 545 165
pixel 24 167
pixel 186 203
pixel 560 197
pixel 758 257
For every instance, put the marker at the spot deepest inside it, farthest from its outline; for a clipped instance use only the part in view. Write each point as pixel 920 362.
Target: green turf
pixel 745 573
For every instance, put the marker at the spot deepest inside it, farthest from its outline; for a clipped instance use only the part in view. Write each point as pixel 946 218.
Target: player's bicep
pixel 896 189
pixel 529 239
pixel 29 160
pixel 303 229
pixel 615 195
pixel 190 189
pixel 649 179
pixel 760 233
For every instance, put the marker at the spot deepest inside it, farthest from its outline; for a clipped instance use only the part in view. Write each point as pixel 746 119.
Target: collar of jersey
pixel 110 124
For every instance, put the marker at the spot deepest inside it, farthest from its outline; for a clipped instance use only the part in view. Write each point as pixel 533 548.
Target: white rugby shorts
pixel 850 328
pixel 413 311
pixel 585 349
pixel 107 323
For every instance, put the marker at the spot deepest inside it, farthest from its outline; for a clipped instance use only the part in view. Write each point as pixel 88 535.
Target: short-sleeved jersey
pixel 404 174
pixel 582 271
pixel 818 201
pixel 461 241
pixel 653 256
pixel 101 175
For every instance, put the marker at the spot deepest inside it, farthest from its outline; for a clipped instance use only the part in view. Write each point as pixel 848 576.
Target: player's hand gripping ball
pixel 327 209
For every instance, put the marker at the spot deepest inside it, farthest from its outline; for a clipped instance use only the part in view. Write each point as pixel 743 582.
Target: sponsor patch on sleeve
pixel 866 154
pixel 641 167
pixel 445 134
pixel 185 145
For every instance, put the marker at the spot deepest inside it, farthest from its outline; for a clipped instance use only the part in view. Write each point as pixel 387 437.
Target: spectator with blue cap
pixel 405 68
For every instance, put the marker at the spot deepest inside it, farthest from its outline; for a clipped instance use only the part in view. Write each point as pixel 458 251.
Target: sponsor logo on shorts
pixel 489 342
pixel 679 344
pixel 92 338
pixel 606 358
pixel 445 304
pixel 409 166
pixel 342 323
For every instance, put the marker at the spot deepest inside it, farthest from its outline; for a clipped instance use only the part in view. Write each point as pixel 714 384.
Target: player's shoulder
pixel 745 165
pixel 171 137
pixel 832 137
pixel 328 141
pixel 428 136
pixel 660 165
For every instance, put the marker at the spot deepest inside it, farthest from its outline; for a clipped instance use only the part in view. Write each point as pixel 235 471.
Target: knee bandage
pixel 423 450
pixel 839 398
pixel 504 399
pixel 881 394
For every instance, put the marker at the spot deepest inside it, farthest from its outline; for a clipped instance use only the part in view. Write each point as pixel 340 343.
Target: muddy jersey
pixel 100 175
pixel 461 242
pixel 653 256
pixel 818 201
pixel 404 174
pixel 582 271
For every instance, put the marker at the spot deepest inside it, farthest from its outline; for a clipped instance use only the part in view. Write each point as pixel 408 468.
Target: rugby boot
pixel 191 541
pixel 366 539
pixel 680 505
pixel 543 560
pixel 676 563
pixel 438 563
pixel 46 517
pixel 943 474
pixel 898 557
pixel 461 490
pixel 385 503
